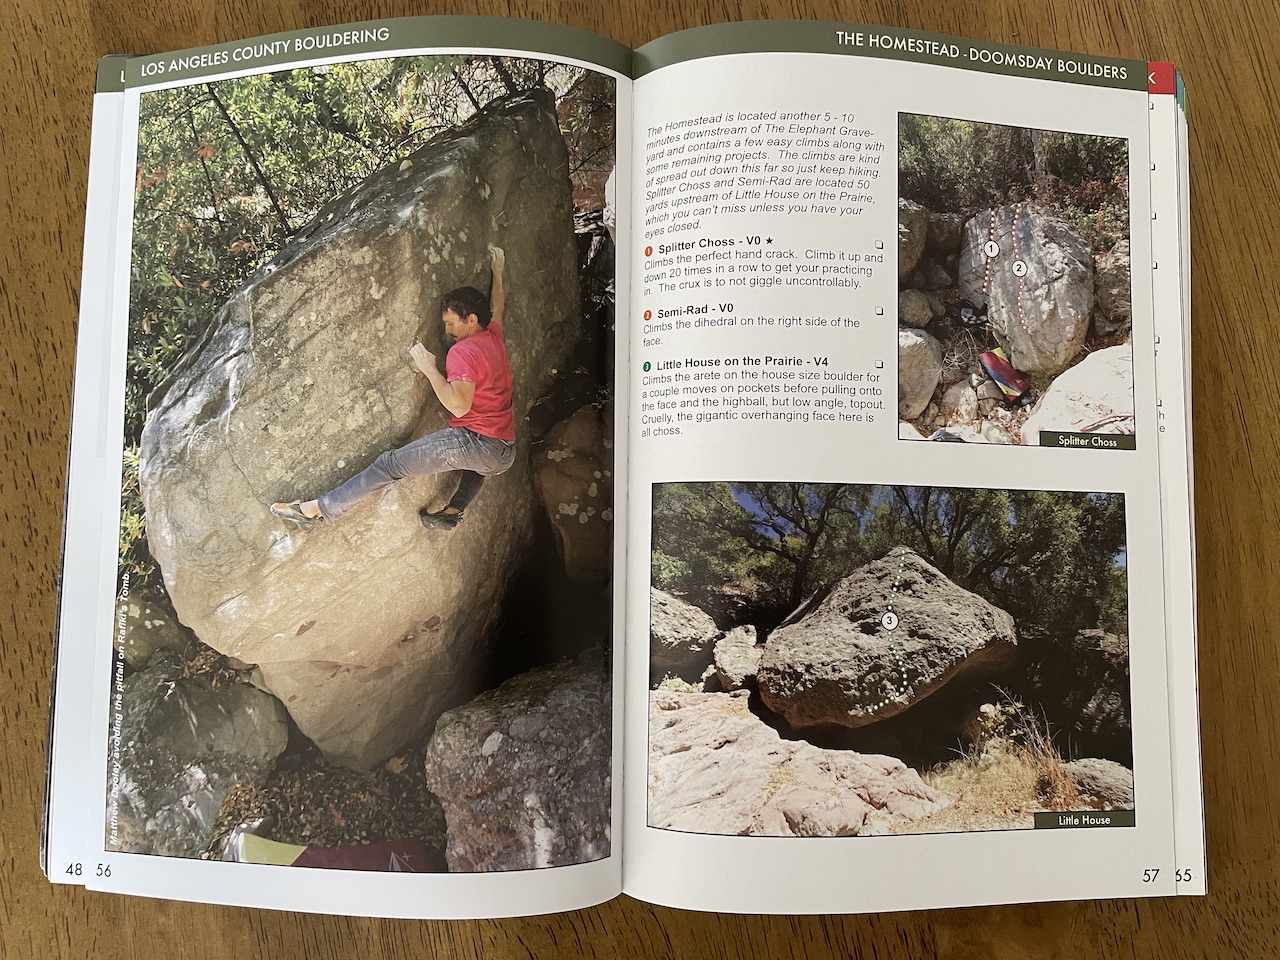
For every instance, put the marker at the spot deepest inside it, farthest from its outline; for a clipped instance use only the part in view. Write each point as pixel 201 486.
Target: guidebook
pixel 508 470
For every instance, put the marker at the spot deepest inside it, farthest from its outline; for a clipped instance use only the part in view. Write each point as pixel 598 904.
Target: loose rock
pixel 524 772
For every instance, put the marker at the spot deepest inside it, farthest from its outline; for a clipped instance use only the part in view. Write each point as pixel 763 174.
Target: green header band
pixel 889 43
pixel 111 71
pixel 373 37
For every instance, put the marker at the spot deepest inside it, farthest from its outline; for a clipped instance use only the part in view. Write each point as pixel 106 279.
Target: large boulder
pixel 524 772
pixel 681 639
pixel 840 664
pixel 303 379
pixel 574 474
pixel 182 745
pixel 1096 396
pixel 913 229
pixel 919 367
pixel 715 768
pixel 1042 317
pixel 1082 685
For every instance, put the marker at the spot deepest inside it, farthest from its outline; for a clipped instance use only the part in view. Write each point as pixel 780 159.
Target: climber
pixel 476 390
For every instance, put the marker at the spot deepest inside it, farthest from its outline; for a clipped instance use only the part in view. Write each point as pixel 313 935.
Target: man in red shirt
pixel 476 390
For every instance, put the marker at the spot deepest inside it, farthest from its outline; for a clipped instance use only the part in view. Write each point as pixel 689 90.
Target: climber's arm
pixel 455 396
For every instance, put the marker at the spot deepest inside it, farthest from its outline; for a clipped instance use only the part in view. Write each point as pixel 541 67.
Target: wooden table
pixel 1231 72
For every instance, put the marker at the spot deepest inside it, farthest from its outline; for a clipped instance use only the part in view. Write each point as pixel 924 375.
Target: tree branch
pixel 504 75
pixel 262 177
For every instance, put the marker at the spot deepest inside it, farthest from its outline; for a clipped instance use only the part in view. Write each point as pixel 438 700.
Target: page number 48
pixel 77 869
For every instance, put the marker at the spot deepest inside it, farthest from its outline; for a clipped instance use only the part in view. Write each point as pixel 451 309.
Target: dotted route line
pixel 992 250
pixel 889 621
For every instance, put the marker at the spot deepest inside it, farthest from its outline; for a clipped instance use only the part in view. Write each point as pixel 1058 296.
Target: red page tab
pixel 1161 78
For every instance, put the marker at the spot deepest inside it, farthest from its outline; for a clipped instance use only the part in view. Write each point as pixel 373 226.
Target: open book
pixel 751 473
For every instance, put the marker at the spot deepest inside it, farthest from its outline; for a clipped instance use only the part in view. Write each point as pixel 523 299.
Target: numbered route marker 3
pixel 889 621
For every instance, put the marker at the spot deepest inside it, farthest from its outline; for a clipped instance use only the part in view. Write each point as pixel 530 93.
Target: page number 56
pixel 77 869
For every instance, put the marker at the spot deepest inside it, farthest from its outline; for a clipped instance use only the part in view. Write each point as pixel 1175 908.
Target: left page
pixel 349 529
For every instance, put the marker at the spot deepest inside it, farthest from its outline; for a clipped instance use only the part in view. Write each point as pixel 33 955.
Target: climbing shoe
pixel 439 521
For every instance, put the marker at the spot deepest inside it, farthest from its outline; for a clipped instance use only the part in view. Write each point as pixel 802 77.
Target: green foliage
pixel 676 685
pixel 135 557
pixel 960 166
pixel 771 543
pixel 228 172
pixel 1055 560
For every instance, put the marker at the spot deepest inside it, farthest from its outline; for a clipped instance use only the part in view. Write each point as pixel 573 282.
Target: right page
pixel 895 494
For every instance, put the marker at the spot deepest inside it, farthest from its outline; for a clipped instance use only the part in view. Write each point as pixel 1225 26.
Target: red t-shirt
pixel 482 359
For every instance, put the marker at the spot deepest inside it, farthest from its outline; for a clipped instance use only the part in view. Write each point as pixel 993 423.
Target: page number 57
pixel 1150 874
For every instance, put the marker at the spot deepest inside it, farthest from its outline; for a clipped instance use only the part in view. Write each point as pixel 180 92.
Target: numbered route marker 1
pixel 991 249
pixel 1019 268
pixel 889 621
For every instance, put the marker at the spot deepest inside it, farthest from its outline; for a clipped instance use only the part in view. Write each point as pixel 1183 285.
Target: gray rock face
pixel 1115 290
pixel 152 626
pixel 715 768
pixel 919 366
pixel 1096 395
pixel 303 379
pixel 574 474
pixel 914 309
pixel 913 229
pixel 1041 318
pixel 1102 784
pixel 838 664
pixel 681 639
pixel 738 658
pixel 1083 684
pixel 523 772
pixel 184 745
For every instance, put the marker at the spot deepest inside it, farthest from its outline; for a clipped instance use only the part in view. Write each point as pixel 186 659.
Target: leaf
pixel 397 765
pixel 205 151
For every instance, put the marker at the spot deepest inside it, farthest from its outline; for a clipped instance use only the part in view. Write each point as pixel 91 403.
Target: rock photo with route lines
pixel 837 659
pixel 1014 303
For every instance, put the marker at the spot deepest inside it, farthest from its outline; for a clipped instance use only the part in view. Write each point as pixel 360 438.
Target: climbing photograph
pixel 366 530
pixel 838 659
pixel 1014 302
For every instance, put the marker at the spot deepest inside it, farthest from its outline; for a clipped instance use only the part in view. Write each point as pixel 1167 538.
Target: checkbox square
pixel 879 244
pixel 879 311
pixel 879 364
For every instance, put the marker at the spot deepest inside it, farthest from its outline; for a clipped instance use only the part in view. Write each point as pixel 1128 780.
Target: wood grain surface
pixel 1223 49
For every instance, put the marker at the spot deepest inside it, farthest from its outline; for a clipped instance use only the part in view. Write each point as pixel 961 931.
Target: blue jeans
pixel 454 448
